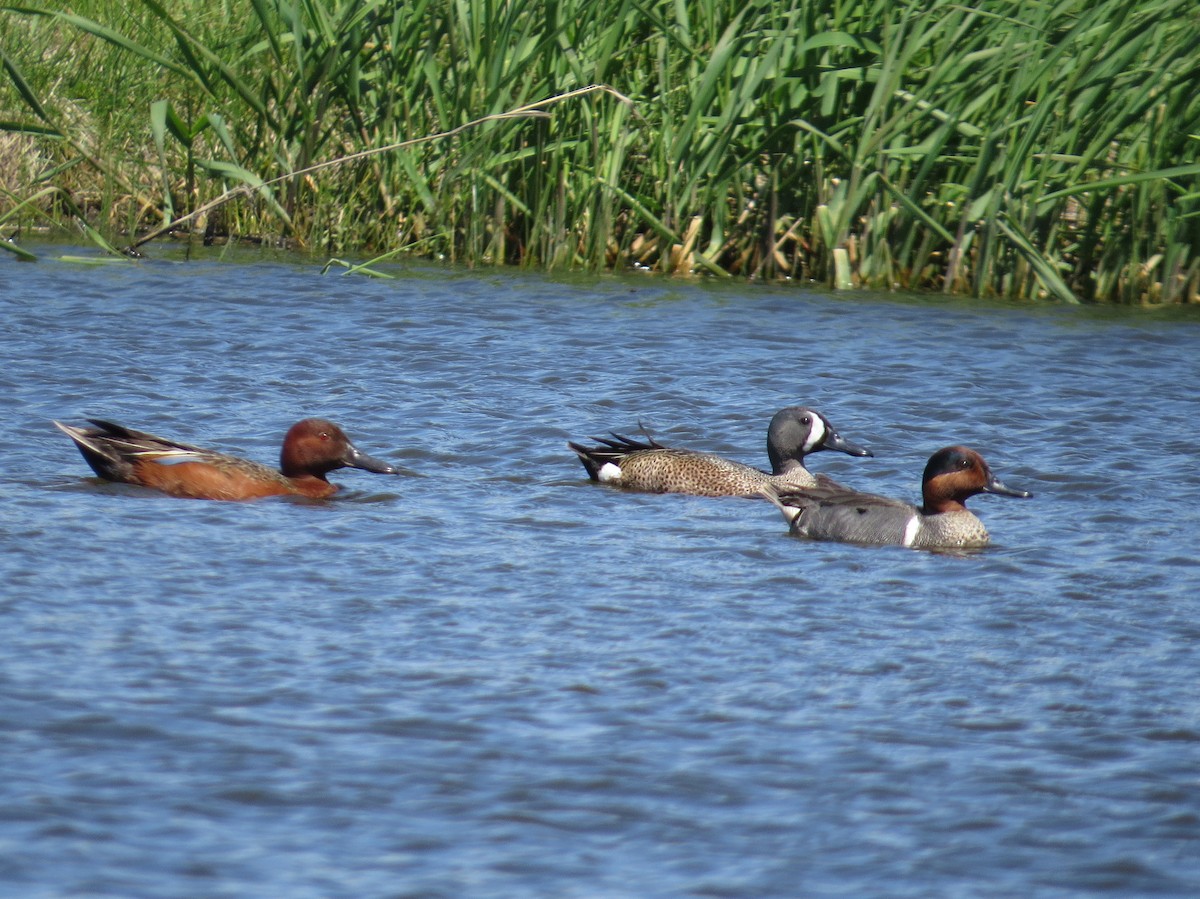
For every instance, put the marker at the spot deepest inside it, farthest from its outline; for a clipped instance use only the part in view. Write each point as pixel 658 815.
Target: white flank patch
pixel 170 457
pixel 609 473
pixel 911 529
pixel 816 433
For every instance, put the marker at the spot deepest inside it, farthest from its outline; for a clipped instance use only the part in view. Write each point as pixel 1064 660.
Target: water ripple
pixel 489 677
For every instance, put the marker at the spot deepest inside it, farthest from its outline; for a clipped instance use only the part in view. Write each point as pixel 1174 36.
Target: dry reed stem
pixel 530 110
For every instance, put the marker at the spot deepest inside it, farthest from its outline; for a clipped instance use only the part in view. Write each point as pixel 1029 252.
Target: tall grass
pixel 994 148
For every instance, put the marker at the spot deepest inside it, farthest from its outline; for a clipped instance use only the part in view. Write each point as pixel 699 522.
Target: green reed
pixel 995 148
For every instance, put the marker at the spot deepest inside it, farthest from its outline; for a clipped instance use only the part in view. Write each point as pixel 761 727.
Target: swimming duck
pixel 311 449
pixel 952 475
pixel 648 466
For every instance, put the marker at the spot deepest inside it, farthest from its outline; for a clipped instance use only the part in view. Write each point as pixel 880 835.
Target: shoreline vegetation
pixel 1020 150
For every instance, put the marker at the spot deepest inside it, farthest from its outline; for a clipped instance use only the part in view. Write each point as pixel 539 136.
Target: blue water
pixel 492 678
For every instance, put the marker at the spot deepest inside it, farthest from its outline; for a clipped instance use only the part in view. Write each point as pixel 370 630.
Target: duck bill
pixel 1000 489
pixel 835 441
pixel 356 459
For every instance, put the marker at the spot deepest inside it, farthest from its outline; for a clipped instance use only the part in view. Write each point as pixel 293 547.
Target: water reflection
pixel 496 678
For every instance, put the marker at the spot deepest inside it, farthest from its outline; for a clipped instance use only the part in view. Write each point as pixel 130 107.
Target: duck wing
pixel 829 513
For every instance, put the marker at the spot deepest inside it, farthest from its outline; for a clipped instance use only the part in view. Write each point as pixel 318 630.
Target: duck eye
pixel 805 419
